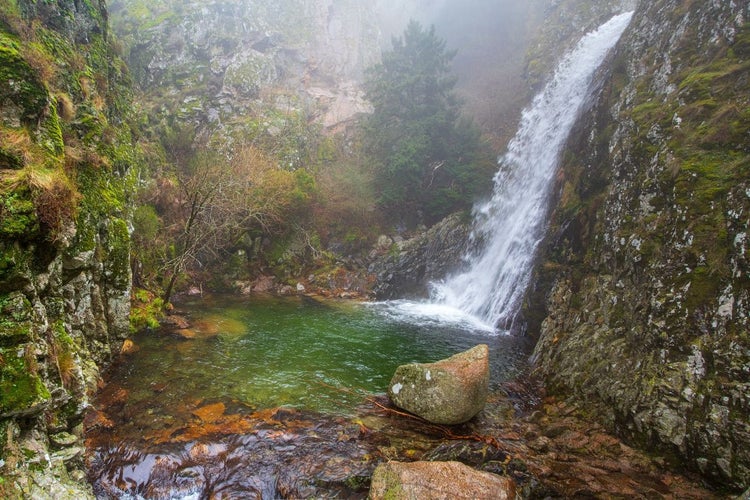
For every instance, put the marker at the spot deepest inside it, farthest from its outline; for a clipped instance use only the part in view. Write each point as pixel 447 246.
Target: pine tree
pixel 428 162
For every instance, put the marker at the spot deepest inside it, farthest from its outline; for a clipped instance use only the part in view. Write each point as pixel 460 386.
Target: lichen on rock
pixel 645 276
pixel 450 391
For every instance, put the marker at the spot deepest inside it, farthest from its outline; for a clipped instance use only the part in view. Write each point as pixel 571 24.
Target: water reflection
pixel 201 417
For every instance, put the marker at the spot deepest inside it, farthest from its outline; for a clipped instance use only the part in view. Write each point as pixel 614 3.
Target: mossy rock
pixel 18 219
pixel 24 97
pixel 15 319
pixel 450 391
pixel 117 247
pixel 22 392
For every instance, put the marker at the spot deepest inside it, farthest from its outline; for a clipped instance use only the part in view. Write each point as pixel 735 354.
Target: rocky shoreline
pixel 548 447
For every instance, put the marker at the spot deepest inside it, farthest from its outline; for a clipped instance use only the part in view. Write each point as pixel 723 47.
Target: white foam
pixel 428 313
pixel 513 222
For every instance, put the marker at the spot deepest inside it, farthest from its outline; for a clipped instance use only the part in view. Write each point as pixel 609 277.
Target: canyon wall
pixel 643 280
pixel 66 158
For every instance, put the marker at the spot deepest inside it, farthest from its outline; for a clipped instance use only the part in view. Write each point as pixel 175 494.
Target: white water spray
pixel 511 225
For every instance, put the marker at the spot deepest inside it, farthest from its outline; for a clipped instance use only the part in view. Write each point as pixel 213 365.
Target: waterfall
pixel 509 227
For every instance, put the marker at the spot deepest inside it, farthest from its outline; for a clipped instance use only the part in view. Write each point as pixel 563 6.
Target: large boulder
pixel 406 268
pixel 450 391
pixel 438 480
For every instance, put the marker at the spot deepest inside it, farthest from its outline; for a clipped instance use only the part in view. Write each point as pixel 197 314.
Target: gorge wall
pixel 66 153
pixel 233 68
pixel 643 281
pixel 642 291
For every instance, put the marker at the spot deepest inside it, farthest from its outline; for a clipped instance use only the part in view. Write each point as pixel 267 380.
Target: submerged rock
pixel 450 391
pixel 437 480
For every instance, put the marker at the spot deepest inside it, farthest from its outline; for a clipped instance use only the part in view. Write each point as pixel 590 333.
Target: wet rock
pixel 406 267
pixel 68 454
pixel 450 391
pixel 176 321
pixel 129 347
pixel 210 413
pixel 243 287
pixel 472 453
pixel 63 439
pixel 186 333
pixel 438 480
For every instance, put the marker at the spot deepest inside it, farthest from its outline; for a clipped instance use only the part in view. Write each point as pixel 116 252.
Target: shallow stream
pixel 256 384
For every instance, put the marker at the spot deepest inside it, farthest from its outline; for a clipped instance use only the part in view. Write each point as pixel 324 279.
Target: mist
pixel 491 38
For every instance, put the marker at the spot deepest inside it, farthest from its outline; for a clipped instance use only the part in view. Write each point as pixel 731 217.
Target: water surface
pixel 296 352
pixel 267 398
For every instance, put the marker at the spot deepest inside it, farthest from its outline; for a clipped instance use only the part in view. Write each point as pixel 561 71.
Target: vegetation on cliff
pixel 66 173
pixel 319 197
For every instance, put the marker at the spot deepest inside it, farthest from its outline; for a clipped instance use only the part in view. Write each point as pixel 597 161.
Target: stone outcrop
pixel 64 236
pixel 450 391
pixel 406 268
pixel 215 64
pixel 438 480
pixel 644 280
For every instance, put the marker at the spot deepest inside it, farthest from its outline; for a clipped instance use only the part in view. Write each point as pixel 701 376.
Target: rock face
pixel 407 267
pixel 215 64
pixel 451 391
pixel 645 274
pixel 438 480
pixel 65 276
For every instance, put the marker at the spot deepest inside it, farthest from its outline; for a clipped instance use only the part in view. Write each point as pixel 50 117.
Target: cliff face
pixel 646 266
pixel 234 68
pixel 239 68
pixel 65 158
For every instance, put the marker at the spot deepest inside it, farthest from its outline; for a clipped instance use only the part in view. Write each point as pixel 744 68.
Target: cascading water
pixel 510 226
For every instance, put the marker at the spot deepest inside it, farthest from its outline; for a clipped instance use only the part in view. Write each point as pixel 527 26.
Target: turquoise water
pixel 296 352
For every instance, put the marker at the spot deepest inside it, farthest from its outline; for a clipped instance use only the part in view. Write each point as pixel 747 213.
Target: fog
pixel 322 48
pixel 491 38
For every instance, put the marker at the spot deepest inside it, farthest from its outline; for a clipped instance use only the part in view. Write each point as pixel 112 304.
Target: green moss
pixel 56 45
pixel 86 231
pixel 707 177
pixel 18 219
pixel 15 319
pixel 89 124
pixel 117 261
pixel 20 386
pixel 652 112
pixel 19 83
pixel 705 286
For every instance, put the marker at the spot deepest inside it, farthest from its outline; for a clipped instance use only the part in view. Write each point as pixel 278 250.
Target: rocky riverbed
pixel 224 448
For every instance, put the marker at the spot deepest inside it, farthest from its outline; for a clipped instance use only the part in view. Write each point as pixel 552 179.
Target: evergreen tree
pixel 428 162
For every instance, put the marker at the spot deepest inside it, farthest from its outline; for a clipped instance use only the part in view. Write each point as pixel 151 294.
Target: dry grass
pixel 65 107
pixel 55 200
pixel 17 150
pixel 86 85
pixel 40 61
